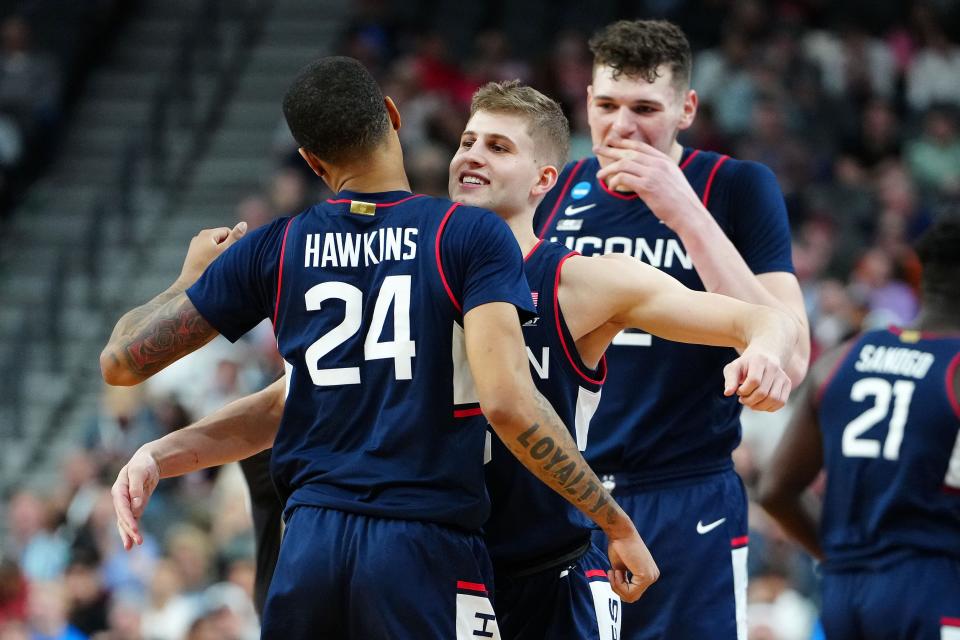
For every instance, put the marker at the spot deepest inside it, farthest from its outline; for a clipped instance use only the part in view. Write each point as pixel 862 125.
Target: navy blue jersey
pixel 891 450
pixel 530 523
pixel 664 414
pixel 367 294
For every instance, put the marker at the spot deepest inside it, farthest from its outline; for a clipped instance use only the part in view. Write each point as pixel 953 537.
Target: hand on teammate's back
pixel 205 247
pixel 759 380
pixel 631 554
pixel 131 492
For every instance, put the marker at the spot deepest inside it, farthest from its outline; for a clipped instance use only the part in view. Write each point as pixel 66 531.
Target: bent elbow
pixel 114 374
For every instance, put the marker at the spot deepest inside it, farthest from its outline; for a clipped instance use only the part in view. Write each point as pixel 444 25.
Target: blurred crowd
pixel 858 114
pixel 46 49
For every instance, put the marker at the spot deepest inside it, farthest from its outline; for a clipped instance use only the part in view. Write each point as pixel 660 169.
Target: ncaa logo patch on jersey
pixel 580 190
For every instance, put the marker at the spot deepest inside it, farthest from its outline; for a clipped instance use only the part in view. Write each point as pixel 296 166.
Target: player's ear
pixel 690 102
pixel 589 94
pixel 392 112
pixel 546 180
pixel 311 159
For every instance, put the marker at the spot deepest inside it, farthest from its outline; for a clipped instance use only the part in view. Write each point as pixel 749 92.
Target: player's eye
pixel 643 109
pixel 498 148
pixel 466 144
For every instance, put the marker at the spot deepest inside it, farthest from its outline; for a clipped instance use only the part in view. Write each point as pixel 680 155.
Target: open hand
pixel 131 492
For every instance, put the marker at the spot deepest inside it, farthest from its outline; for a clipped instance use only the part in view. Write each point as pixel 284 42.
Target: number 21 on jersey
pixel 882 391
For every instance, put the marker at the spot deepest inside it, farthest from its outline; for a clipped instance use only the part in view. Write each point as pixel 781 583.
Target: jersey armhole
pixel 283 251
pixel 560 196
pixel 713 174
pixel 833 370
pixel 577 363
pixel 439 258
pixel 952 384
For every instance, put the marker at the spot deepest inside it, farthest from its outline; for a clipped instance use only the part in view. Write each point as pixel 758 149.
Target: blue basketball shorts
pixel 697 534
pixel 345 575
pixel 571 602
pixel 916 598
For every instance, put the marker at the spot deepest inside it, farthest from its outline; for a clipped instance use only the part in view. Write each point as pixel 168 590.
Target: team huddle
pixel 511 414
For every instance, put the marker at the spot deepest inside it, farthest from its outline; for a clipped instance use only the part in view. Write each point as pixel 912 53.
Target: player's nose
pixel 623 122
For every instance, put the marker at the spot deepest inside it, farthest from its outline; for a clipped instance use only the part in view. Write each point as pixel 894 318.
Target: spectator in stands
pixel 933 73
pixel 29 81
pixel 934 159
pixel 47 613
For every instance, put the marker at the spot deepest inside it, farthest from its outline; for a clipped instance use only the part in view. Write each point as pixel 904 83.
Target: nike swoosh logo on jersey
pixel 707 528
pixel 572 210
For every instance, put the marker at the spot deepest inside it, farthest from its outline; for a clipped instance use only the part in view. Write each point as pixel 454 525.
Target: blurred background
pixel 126 126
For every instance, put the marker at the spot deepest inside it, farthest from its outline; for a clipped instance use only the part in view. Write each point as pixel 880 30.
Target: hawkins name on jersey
pixel 339 249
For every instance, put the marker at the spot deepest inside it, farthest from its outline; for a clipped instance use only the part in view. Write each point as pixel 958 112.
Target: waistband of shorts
pixel 638 481
pixel 539 565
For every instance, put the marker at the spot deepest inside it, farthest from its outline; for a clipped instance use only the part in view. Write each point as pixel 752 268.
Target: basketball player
pixel 881 416
pixel 663 435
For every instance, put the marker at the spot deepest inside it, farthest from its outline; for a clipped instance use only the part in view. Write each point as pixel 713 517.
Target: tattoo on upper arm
pixel 159 332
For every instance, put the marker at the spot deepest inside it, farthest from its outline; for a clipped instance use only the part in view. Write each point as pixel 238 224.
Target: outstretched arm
pixel 237 431
pixel 601 296
pixel 168 327
pixel 532 431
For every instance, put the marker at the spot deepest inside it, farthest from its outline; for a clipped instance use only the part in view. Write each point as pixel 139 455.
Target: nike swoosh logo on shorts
pixel 572 210
pixel 707 528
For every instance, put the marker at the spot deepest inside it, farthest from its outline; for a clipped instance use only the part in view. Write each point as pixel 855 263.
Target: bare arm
pixel 532 431
pixel 601 296
pixel 152 336
pixel 237 431
pixel 796 462
pixel 640 168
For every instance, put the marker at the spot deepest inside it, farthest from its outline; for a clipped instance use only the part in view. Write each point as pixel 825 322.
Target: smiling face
pixel 630 108
pixel 496 166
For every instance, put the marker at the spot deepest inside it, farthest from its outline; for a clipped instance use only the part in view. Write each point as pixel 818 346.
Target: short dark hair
pixel 335 109
pixel 546 123
pixel 939 253
pixel 638 48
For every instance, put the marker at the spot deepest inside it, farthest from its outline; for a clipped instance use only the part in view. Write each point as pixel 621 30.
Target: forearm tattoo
pixel 555 454
pixel 157 333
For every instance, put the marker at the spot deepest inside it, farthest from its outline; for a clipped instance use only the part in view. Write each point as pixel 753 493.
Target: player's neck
pixel 522 227
pixel 377 172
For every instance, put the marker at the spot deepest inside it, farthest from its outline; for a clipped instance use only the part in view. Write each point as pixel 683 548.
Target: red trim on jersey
pixel 833 372
pixel 739 542
pixel 471 586
pixel 595 573
pixel 533 250
pixel 443 278
pixel 560 197
pixel 467 413
pixel 617 194
pixel 563 341
pixel 954 491
pixel 951 376
pixel 283 251
pixel 378 204
pixel 689 159
pixel 713 173
pixel 949 622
